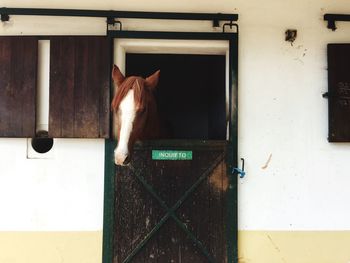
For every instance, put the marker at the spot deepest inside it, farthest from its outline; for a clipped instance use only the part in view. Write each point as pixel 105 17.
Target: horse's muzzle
pixel 127 160
pixel 122 160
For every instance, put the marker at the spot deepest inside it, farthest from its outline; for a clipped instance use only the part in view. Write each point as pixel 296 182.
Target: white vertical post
pixel 42 97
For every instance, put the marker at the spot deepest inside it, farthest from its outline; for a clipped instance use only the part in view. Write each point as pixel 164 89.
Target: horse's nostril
pixel 126 161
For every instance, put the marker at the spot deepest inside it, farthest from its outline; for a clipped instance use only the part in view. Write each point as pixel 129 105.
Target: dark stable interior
pixel 190 93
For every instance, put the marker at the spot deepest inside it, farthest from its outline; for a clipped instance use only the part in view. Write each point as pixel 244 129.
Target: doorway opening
pixel 190 94
pixel 196 94
pixel 193 91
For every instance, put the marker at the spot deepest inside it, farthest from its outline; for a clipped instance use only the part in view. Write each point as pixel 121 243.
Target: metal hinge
pixel 231 25
pixel 111 21
pixel 325 95
pixel 4 17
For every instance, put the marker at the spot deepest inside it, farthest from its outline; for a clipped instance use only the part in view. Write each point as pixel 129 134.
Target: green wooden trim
pixel 232 196
pixel 108 211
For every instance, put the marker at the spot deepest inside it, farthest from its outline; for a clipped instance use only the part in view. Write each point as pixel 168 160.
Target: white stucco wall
pixel 63 193
pixel 281 113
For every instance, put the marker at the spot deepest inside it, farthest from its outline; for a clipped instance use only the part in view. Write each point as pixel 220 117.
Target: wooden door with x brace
pixel 168 208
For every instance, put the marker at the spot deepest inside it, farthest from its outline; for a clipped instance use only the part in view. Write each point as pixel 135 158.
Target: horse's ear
pixel 152 81
pixel 117 76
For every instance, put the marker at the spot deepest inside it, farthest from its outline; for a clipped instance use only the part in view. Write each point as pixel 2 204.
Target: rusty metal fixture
pixel 291 35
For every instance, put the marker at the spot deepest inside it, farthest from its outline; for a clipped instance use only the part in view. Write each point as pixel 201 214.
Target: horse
pixel 135 108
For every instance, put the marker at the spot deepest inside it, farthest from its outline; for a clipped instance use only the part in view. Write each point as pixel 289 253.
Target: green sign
pixel 171 155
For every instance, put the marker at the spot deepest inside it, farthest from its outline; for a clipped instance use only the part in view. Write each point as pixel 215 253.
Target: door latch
pixel 239 171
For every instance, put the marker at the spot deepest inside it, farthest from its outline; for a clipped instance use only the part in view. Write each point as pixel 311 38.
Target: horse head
pixel 136 112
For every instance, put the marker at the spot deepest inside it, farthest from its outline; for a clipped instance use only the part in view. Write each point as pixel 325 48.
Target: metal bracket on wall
pixel 216 22
pixel 231 25
pixel 111 21
pixel 344 99
pixel 332 18
pixel 5 17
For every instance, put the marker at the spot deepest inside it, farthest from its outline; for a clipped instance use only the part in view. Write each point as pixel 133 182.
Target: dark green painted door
pixel 172 210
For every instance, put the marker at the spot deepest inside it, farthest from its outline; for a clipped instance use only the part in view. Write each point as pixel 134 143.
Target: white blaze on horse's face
pixel 131 96
pixel 127 113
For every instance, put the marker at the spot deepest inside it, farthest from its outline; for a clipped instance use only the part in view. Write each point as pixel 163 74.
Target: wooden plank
pixel 167 185
pixel 137 212
pixel 29 70
pixel 140 198
pixel 103 69
pixel 218 187
pixel 189 213
pixel 82 113
pixel 5 86
pixel 79 87
pixel 339 91
pixel 18 73
pixel 123 214
pixel 150 212
pixel 203 212
pixel 62 64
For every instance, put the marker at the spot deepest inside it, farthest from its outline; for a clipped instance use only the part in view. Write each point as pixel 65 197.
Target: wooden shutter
pixel 18 71
pixel 79 87
pixel 339 92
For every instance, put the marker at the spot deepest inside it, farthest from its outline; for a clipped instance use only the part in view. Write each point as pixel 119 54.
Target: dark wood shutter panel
pixel 339 92
pixel 79 87
pixel 18 74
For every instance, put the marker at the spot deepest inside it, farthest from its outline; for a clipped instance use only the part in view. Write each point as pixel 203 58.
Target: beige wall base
pixel 51 247
pixel 254 247
pixel 294 247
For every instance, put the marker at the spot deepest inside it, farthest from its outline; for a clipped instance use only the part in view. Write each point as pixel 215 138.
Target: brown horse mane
pixel 135 83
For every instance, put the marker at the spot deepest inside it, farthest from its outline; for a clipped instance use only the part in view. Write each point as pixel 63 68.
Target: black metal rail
pixel 171 35
pixel 332 18
pixel 6 12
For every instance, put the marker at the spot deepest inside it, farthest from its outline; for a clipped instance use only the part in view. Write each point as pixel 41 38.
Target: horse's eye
pixel 141 110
